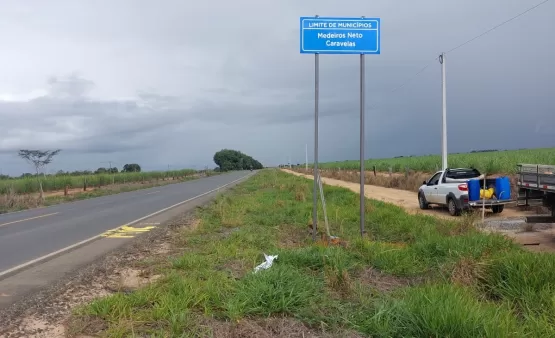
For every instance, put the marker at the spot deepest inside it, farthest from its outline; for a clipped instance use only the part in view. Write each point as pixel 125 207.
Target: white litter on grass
pixel 267 264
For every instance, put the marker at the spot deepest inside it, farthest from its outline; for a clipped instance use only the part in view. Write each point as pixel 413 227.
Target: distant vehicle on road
pixel 450 188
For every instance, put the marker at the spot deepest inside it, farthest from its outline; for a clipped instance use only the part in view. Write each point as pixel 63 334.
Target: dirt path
pixel 541 238
pixel 408 200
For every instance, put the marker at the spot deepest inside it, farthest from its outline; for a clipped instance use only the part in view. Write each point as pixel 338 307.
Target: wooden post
pixel 374 170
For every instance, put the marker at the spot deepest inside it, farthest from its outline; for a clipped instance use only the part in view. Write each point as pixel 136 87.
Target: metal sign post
pixel 362 128
pixel 316 175
pixel 329 35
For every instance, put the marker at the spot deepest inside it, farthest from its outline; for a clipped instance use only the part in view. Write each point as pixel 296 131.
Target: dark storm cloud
pixel 159 79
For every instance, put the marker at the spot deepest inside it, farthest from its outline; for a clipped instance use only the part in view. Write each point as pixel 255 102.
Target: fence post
pixel 374 170
pixel 407 171
pixel 390 171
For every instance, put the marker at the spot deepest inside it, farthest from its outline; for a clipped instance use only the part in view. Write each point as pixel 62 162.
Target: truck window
pixel 435 179
pixel 461 174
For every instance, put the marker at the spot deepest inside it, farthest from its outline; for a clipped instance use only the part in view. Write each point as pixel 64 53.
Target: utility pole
pixel 444 114
pixel 109 163
pixel 306 157
pixel 113 176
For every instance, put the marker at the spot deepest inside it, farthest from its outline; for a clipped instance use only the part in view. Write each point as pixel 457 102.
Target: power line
pixel 497 26
pixel 410 79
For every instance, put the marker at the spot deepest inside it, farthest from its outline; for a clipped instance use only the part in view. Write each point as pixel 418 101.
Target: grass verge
pixel 413 275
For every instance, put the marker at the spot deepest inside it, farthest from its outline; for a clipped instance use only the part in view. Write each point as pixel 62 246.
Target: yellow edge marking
pixel 126 232
pixel 28 219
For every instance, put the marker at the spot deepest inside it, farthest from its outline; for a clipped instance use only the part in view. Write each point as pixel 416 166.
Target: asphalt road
pixel 28 235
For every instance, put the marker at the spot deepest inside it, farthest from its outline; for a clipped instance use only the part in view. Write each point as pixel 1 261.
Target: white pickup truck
pixel 449 188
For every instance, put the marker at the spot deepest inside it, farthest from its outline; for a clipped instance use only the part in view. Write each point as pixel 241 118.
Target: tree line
pixel 40 158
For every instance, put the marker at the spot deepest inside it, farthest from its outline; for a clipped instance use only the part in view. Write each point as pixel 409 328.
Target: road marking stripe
pixel 126 232
pixel 88 240
pixel 28 219
pixel 153 192
pixel 120 236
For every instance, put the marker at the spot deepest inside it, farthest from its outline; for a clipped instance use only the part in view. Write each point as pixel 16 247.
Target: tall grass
pixel 417 277
pixel 491 162
pixel 29 185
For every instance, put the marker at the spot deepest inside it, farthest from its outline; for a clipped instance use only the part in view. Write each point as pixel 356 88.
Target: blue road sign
pixel 340 35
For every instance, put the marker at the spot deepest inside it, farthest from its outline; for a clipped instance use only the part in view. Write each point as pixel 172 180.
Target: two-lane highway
pixel 28 235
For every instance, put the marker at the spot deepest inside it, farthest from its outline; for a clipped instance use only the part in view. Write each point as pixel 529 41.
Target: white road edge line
pixel 90 239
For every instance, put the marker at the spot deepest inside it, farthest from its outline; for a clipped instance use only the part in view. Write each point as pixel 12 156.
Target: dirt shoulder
pixel 534 237
pixel 408 200
pixel 45 314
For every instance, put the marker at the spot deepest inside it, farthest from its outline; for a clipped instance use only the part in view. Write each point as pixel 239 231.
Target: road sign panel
pixel 326 35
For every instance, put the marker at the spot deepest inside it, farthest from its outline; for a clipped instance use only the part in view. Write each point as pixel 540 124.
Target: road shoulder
pixel 36 301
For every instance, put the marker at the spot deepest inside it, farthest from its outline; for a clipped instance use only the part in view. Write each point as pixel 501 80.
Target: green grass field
pixel 489 162
pixel 58 182
pixel 417 276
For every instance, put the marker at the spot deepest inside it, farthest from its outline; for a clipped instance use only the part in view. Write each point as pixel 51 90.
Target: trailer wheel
pixel 497 209
pixel 453 209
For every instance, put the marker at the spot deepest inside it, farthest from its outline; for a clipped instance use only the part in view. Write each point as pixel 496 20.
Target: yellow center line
pixel 28 219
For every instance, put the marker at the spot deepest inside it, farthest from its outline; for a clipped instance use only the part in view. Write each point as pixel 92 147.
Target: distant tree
pixel 101 170
pixel 38 159
pixel 131 168
pixel 227 159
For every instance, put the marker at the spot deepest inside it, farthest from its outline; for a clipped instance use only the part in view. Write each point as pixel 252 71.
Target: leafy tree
pixel 131 168
pixel 227 159
pixel 38 159
pixel 101 171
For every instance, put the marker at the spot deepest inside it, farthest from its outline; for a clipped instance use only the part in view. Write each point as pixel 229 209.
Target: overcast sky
pixel 171 82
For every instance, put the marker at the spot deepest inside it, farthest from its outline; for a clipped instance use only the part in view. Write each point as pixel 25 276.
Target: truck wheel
pixel 453 209
pixel 422 202
pixel 497 209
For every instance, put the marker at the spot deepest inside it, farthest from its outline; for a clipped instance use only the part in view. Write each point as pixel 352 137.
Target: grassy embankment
pixel 410 172
pixel 22 193
pixel 414 276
